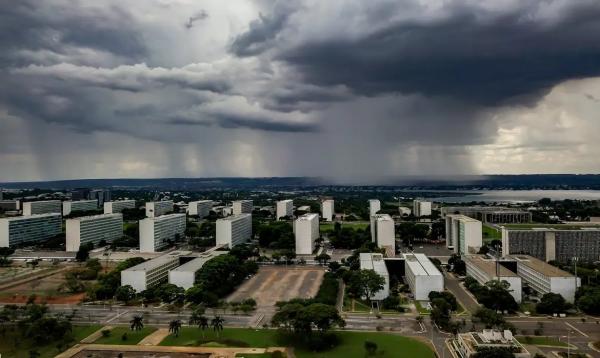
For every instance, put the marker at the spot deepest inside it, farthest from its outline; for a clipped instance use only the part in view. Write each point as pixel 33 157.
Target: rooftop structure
pixel 375 262
pixel 422 276
pixel 468 344
pixel 485 269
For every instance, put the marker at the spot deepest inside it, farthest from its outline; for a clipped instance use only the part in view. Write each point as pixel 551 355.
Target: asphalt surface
pixel 466 300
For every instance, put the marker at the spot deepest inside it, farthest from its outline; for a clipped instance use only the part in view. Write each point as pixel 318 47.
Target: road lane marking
pixel 583 334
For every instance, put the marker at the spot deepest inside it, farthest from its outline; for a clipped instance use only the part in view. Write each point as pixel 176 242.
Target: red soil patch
pixel 71 299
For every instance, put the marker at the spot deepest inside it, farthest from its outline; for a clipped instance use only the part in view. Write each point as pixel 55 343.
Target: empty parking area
pixel 277 283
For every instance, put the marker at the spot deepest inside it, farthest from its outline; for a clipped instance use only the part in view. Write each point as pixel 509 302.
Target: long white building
pixel 375 262
pixel 158 208
pixel 306 230
pixel 156 232
pixel 234 230
pixel 242 207
pixel 421 208
pixel 80 205
pixel 422 276
pixel 20 230
pixel 93 229
pixel 185 275
pixel 284 208
pixel 374 206
pixel 328 209
pixel 41 207
pixel 115 207
pixel 485 269
pixel 463 234
pixel 383 233
pixel 200 208
pixel 152 272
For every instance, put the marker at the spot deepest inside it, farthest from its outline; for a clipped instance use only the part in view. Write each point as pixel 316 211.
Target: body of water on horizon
pixel 516 196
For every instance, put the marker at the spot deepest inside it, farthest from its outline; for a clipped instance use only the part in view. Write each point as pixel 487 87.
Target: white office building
pixel 158 208
pixel 383 233
pixel 234 230
pixel 185 275
pixel 21 230
pixel 93 229
pixel 156 232
pixel 328 209
pixel 200 208
pixel 375 262
pixel 284 208
pixel 422 276
pixel 151 273
pixel 468 345
pixel 374 206
pixel 306 229
pixel 544 278
pixel 421 208
pixel 115 207
pixel 485 269
pixel 242 207
pixel 80 205
pixel 41 207
pixel 463 234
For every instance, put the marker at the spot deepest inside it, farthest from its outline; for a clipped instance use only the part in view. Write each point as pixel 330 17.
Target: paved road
pixel 466 300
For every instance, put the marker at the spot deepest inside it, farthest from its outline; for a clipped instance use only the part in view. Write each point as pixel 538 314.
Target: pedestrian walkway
pixel 154 338
pixel 94 336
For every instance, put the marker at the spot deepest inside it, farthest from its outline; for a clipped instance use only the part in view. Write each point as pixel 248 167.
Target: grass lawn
pixel 47 351
pixel 350 224
pixel 541 341
pixel 421 309
pixel 351 343
pixel 133 337
pixel 489 233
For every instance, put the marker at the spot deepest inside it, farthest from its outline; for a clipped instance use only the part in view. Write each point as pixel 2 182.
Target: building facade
pixel 41 207
pixel 115 207
pixel 242 207
pixel 374 206
pixel 185 275
pixel 151 273
pixel 306 229
pixel 422 276
pixel 93 229
pixel 200 208
pixel 81 205
pixel 485 269
pixel 284 208
pixel 463 234
pixel 234 230
pixel 156 232
pixel 20 230
pixel 383 233
pixel 421 208
pixel 158 208
pixel 544 278
pixel 328 209
pixel 375 262
pixel 490 214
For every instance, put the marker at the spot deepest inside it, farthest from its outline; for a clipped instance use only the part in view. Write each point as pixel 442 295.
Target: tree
pixel 364 283
pixel 84 252
pixel 136 323
pixel 217 324
pixel 322 258
pixel 493 352
pixel 588 299
pixel 125 293
pixel 552 303
pixel 371 348
pixel 457 265
pixel 175 327
pixel 440 313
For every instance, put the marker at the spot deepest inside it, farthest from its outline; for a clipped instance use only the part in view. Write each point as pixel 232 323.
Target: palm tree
pixel 203 324
pixel 137 323
pixel 420 319
pixel 217 324
pixel 174 327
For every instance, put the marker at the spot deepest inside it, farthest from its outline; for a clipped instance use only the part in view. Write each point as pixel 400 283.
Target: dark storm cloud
pixel 512 56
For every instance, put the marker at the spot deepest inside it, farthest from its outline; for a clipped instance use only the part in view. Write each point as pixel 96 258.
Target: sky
pixel 355 90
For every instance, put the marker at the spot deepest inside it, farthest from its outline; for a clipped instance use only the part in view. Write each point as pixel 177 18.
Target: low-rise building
pixel 306 229
pixel 41 207
pixel 200 208
pixel 234 230
pixel 383 233
pixel 485 269
pixel 422 276
pixel 81 205
pixel 93 229
pixel 374 206
pixel 284 208
pixel 468 344
pixel 328 209
pixel 31 229
pixel 153 272
pixel 185 275
pixel 242 207
pixel 156 232
pixel 421 208
pixel 375 262
pixel 9 205
pixel 158 208
pixel 490 214
pixel 404 211
pixel 115 207
pixel 463 234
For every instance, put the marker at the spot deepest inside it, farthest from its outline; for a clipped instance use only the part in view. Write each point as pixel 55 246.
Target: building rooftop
pixel 94 217
pixel 373 261
pixel 556 227
pixel 158 261
pixel 540 266
pixel 161 202
pixel 490 266
pixel 383 217
pixel 197 263
pixel 235 217
pixel 41 201
pixel 164 217
pixel 309 216
pixel 242 201
pixel 420 265
pixel 462 217
pixel 30 217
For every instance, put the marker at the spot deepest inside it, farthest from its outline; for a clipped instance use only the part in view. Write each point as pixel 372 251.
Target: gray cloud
pixel 197 17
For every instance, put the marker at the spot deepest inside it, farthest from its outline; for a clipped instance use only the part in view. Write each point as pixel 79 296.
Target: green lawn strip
pixel 133 337
pixel 421 309
pixel 349 224
pixel 189 336
pixel 541 341
pixel 46 351
pixel 489 233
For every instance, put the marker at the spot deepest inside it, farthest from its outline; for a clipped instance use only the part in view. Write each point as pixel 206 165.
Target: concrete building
pixel 374 206
pixel 466 345
pixel 9 205
pixel 463 234
pixel 553 244
pixel 383 233
pixel 152 272
pixel 81 205
pixel 234 230
pixel 327 209
pixel 185 275
pixel 490 214
pixel 242 207
pixel 41 207
pixel 21 230
pixel 156 232
pixel 485 269
pixel 284 208
pixel 421 208
pixel 306 229
pixel 200 208
pixel 422 276
pixel 375 262
pixel 404 211
pixel 544 278
pixel 93 229
pixel 158 208
pixel 100 195
pixel 115 207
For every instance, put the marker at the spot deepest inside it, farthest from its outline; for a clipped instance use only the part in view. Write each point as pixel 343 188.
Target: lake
pixel 517 196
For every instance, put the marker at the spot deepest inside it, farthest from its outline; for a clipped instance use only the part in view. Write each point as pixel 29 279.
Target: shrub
pixel 105 333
